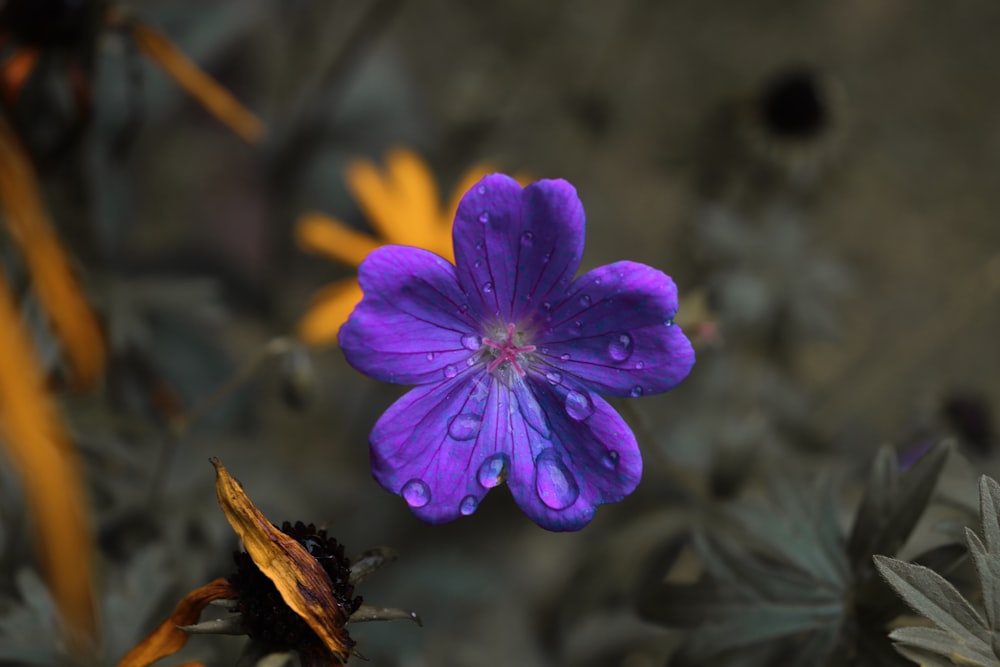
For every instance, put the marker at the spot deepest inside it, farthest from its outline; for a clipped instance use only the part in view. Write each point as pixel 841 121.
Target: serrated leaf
pixel 893 504
pixel 989 508
pixel 945 644
pixel 930 595
pixel 924 658
pixel 988 569
pixel 764 623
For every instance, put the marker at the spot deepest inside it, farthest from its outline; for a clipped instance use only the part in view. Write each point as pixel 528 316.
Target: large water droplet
pixel 554 377
pixel 532 413
pixel 416 493
pixel 493 471
pixel 554 483
pixel 488 288
pixel 450 371
pixel 484 217
pixel 636 392
pixel 610 459
pixel 585 301
pixel 621 346
pixel 527 239
pixel 468 505
pixel 471 342
pixel 578 406
pixel 464 426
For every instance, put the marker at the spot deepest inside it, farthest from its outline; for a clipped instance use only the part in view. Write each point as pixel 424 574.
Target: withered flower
pixel 293 590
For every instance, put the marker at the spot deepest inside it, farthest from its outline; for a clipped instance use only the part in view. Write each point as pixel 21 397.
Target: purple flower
pixel 510 354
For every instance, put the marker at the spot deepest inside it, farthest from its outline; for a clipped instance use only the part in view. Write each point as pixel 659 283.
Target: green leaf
pixel 763 623
pixel 893 504
pixel 945 644
pixel 930 595
pixel 923 657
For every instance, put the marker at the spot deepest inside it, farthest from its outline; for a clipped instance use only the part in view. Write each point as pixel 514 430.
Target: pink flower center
pixel 507 350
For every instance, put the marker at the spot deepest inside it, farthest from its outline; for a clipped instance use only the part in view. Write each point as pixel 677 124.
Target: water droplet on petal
pixel 554 483
pixel 621 346
pixel 532 413
pixel 470 361
pixel 493 471
pixel 546 258
pixel 450 371
pixel 488 287
pixel 416 493
pixel 472 342
pixel 481 189
pixel 430 356
pixel 464 308
pixel 546 305
pixel 585 301
pixel 468 505
pixel 636 392
pixel 564 356
pixel 527 239
pixel 578 406
pixel 464 426
pixel 484 217
pixel 554 377
pixel 479 245
pixel 477 263
pixel 610 459
pixel 597 281
pixel 639 365
pixel 669 323
pixel 576 327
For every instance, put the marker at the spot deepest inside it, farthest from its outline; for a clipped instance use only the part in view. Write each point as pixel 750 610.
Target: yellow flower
pixel 403 206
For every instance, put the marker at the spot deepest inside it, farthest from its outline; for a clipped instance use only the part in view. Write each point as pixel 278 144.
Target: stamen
pixel 508 351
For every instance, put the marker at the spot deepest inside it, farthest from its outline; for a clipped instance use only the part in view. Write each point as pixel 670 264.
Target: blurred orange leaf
pixel 39 449
pixel 216 99
pixel 51 272
pixel 168 638
pixel 303 583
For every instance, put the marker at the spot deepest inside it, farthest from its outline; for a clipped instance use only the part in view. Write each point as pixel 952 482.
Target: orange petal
pixel 39 449
pixel 51 273
pixel 167 639
pixel 315 232
pixel 303 583
pixel 216 99
pixel 15 71
pixel 328 310
pixel 417 193
pixel 375 195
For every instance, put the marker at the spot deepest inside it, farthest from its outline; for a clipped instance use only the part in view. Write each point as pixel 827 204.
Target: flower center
pixel 507 350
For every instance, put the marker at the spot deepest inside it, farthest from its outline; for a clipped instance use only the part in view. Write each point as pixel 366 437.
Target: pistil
pixel 507 351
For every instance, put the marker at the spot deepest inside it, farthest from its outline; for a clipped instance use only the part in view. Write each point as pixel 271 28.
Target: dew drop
pixel 484 217
pixel 527 239
pixel 636 392
pixel 597 281
pixel 464 426
pixel 479 245
pixel 471 342
pixel 564 356
pixel 477 263
pixel 669 323
pixel 577 326
pixel 470 361
pixel 578 406
pixel 554 377
pixel 639 365
pixel 468 505
pixel 430 356
pixel 621 346
pixel 610 459
pixel 464 308
pixel 416 493
pixel 481 189
pixel 493 471
pixel 554 483
pixel 547 306
pixel 450 371
pixel 488 287
pixel 585 300
pixel 546 258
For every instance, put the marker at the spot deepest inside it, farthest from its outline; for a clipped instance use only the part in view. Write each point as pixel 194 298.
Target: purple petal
pixel 410 325
pixel 443 447
pixel 514 247
pixel 587 457
pixel 614 331
pixel 430 444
